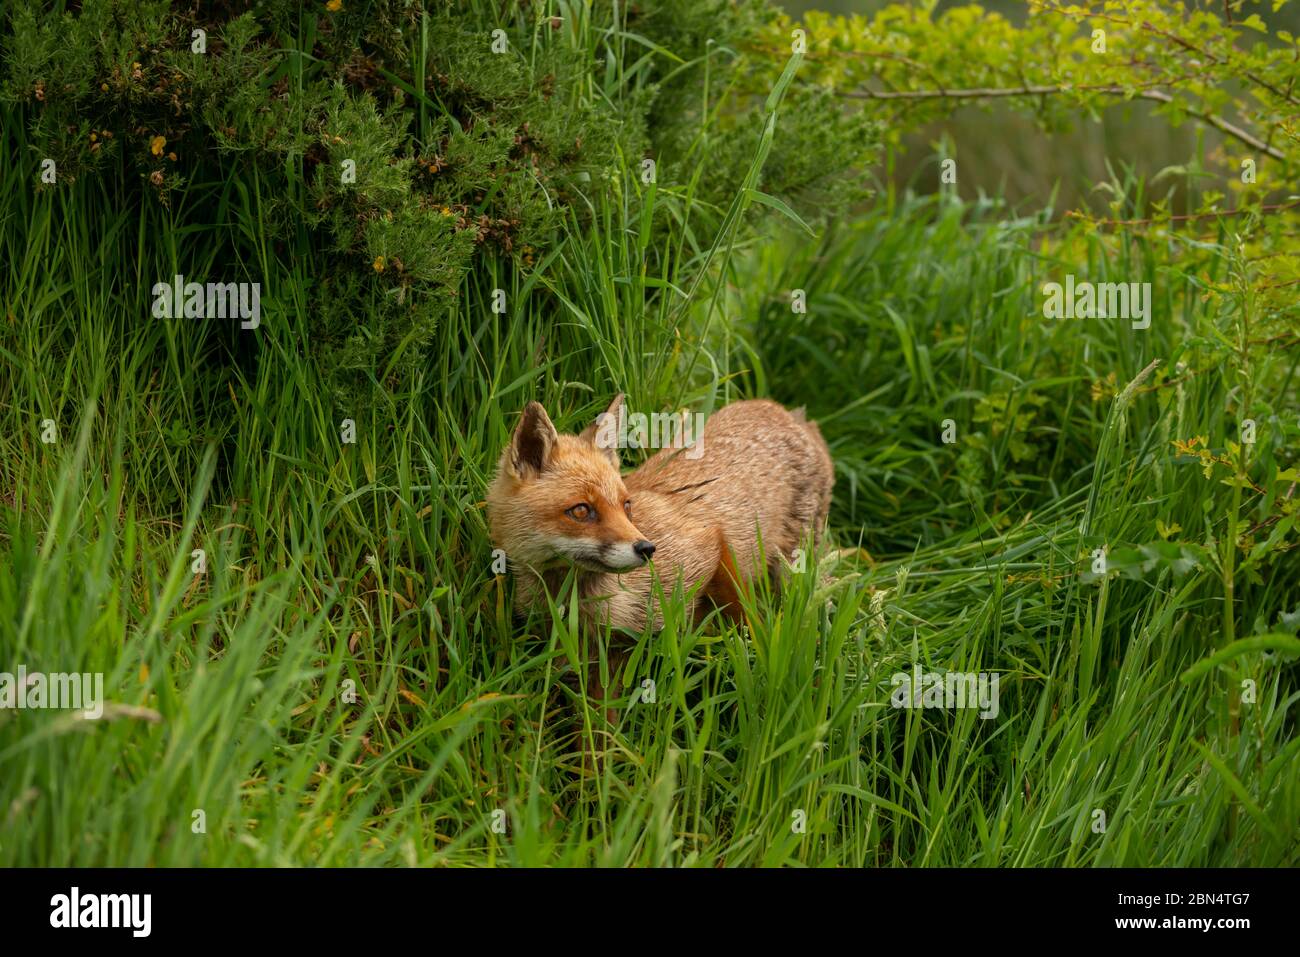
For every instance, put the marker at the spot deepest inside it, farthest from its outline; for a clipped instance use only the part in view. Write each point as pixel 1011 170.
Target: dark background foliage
pixel 461 154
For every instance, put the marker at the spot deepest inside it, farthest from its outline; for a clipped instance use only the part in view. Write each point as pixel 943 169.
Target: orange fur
pixel 725 587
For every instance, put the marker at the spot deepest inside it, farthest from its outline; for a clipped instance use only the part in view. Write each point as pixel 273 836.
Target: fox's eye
pixel 580 512
pixel 627 508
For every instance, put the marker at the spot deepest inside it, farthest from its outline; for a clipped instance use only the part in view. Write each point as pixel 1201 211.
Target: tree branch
pixel 1158 96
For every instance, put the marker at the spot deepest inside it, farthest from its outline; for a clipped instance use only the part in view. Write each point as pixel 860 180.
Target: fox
pixel 754 487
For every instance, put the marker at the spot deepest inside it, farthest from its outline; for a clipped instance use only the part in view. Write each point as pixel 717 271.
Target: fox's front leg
pixel 726 585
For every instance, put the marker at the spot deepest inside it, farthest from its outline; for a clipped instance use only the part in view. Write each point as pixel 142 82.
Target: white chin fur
pixel 619 557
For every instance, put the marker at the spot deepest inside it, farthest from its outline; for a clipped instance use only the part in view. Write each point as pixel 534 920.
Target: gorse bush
pixel 410 142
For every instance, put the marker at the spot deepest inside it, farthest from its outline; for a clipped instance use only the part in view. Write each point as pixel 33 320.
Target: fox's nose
pixel 644 549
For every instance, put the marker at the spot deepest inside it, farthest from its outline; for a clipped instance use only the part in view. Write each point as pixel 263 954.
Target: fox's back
pixel 758 467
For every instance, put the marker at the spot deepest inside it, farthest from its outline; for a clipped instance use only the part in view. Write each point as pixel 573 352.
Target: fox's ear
pixel 533 441
pixel 603 433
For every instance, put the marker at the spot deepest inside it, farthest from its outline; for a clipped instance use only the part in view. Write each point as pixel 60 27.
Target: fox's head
pixel 561 497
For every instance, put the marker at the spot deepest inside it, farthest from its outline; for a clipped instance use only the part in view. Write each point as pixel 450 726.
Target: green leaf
pixel 1237 788
pixel 771 201
pixel 1284 644
pixel 778 91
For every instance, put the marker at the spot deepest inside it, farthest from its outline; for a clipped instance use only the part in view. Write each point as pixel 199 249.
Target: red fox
pixel 757 482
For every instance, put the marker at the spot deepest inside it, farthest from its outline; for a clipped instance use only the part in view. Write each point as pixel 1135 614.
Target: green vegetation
pixel 1160 691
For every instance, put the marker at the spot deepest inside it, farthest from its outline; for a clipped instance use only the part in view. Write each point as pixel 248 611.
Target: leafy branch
pixel 1158 96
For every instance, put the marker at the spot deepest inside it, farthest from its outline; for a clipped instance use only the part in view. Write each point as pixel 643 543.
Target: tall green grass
pixel 333 568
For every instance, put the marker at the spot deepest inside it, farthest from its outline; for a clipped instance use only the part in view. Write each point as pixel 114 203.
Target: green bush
pixel 410 142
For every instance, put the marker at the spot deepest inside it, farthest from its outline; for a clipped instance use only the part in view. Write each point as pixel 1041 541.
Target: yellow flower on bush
pixel 379 264
pixel 156 145
pixel 334 6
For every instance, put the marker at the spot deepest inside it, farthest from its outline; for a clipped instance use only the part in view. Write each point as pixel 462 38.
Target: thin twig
pixel 1199 51
pixel 1158 96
